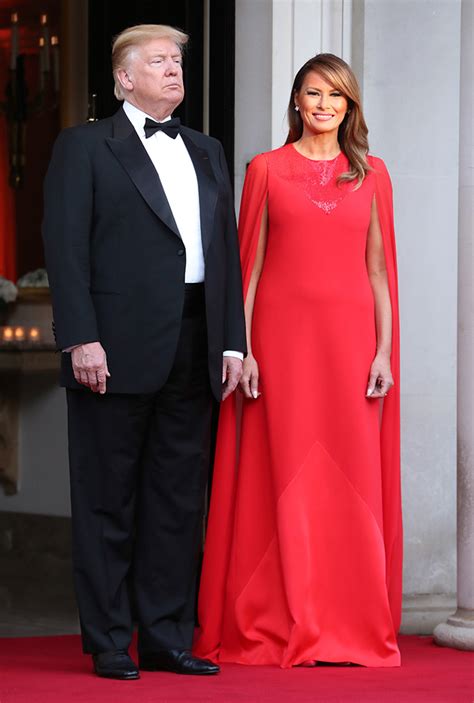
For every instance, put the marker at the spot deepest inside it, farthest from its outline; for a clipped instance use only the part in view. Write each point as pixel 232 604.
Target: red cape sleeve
pixel 254 197
pixel 390 428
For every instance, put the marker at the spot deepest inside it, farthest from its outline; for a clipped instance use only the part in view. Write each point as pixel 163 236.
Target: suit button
pixel 180 252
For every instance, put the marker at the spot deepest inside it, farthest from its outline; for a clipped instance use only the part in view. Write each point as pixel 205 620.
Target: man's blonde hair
pixel 128 40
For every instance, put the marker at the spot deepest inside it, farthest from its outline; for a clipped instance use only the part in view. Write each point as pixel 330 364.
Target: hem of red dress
pixel 391 662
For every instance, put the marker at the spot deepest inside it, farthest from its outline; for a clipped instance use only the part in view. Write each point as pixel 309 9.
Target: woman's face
pixel 321 106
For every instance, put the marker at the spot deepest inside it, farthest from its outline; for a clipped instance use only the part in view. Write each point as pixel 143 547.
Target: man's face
pixel 154 77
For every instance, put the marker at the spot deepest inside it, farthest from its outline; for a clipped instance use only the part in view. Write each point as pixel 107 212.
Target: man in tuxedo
pixel 142 255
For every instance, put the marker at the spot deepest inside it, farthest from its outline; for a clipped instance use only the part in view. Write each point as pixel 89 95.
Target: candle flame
pixel 8 333
pixel 14 17
pixel 44 19
pixel 54 41
pixel 41 41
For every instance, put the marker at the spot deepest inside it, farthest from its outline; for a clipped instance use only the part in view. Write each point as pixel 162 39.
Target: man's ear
pixel 124 79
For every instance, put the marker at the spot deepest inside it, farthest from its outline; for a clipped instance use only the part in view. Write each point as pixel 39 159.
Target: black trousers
pixel 139 466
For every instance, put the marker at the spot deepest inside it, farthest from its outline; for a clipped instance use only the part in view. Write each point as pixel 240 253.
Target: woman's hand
pixel 380 379
pixel 249 379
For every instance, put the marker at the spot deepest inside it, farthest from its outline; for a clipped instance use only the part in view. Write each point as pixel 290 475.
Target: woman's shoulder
pixel 258 162
pixel 377 164
pixel 265 158
pixel 379 172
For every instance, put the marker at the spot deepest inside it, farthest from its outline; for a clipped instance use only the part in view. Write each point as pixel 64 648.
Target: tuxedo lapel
pixel 207 186
pixel 131 153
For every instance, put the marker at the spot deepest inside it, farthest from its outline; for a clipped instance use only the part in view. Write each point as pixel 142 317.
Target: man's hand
pixel 89 364
pixel 231 373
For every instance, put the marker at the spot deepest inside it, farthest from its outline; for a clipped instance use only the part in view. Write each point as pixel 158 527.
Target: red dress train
pixel 303 551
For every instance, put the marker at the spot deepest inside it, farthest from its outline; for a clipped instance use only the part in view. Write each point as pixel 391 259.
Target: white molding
pixel 346 39
pixel 331 26
pixel 422 612
pixel 306 31
pixel 282 66
pixel 355 35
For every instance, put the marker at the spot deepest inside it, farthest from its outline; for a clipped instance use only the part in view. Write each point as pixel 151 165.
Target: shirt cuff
pixel 236 354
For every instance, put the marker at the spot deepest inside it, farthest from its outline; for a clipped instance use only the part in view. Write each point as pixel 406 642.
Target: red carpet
pixel 52 670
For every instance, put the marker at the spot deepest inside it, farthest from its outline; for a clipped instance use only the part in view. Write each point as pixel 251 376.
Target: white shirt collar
pixel 137 117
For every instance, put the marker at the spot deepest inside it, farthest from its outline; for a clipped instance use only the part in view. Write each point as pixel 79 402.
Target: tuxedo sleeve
pixel 67 221
pixel 234 331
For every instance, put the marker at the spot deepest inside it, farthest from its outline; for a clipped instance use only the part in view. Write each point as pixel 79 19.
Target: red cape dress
pixel 303 550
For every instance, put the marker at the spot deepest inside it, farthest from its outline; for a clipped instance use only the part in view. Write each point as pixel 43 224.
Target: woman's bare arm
pixel 380 377
pixel 249 379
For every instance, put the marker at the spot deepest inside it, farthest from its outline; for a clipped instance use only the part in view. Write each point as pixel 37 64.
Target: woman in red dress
pixel 303 553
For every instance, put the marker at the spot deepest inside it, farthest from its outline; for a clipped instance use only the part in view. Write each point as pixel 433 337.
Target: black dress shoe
pixel 115 665
pixel 179 661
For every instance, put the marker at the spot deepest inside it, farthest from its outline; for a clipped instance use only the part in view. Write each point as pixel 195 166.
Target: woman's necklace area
pixel 311 157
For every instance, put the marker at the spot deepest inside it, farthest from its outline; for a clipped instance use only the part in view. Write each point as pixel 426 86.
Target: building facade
pixel 413 61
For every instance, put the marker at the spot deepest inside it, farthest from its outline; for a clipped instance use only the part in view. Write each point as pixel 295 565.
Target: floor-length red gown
pixel 302 559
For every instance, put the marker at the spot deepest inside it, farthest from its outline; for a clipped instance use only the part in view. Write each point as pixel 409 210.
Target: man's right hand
pixel 89 364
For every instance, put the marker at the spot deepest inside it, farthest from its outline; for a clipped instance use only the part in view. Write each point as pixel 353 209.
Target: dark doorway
pixel 222 75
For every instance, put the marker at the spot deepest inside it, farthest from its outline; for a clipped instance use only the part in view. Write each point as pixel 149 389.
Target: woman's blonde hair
pixel 127 41
pixel 352 133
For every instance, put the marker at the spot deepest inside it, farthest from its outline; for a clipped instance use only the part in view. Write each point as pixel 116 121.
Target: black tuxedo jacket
pixel 116 261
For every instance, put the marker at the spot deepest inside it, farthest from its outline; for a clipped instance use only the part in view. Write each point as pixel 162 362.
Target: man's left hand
pixel 231 373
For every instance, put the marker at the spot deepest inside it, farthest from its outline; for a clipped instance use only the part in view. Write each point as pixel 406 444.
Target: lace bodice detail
pixel 316 179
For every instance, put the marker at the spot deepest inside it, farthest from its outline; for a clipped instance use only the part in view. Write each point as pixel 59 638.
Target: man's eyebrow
pixel 162 54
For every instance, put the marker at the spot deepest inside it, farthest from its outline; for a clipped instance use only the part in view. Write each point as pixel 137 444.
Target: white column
pixel 301 29
pixel 253 85
pixel 458 631
pixel 422 156
pixel 283 40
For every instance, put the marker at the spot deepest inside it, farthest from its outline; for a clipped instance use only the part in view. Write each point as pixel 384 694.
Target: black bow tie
pixel 170 127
